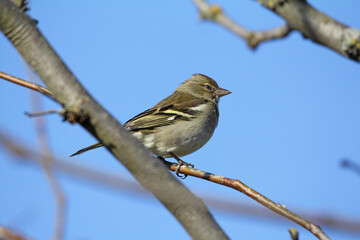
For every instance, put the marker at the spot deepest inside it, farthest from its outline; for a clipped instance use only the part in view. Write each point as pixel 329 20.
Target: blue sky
pixel 292 116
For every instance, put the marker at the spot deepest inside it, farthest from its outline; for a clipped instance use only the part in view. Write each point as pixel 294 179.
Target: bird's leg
pixel 163 160
pixel 180 163
pixel 167 163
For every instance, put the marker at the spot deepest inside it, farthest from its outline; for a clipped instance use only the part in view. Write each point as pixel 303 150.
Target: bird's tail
pixel 96 145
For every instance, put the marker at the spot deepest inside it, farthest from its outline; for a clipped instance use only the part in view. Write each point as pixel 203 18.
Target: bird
pixel 181 123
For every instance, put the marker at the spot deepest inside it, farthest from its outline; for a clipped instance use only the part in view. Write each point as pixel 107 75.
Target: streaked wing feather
pixel 164 113
pixel 154 119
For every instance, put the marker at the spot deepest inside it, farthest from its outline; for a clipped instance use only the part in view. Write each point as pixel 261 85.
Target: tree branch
pixel 252 38
pixel 317 26
pixel 241 187
pixel 27 84
pixel 300 16
pixel 190 211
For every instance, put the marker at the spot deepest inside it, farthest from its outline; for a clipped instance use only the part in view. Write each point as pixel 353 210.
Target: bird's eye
pixel 208 87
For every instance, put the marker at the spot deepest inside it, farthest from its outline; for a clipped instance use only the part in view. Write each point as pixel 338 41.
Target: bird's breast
pixel 185 137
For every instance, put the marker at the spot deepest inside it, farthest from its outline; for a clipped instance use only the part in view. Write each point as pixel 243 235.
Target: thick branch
pixel 190 211
pixel 317 26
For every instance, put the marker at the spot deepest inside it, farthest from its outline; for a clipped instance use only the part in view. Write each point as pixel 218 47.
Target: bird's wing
pixel 165 113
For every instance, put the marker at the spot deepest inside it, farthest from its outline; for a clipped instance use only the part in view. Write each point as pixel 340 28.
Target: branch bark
pixel 252 38
pixel 190 211
pixel 300 16
pixel 317 26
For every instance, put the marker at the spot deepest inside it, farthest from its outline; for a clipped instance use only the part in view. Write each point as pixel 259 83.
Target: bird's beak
pixel 222 92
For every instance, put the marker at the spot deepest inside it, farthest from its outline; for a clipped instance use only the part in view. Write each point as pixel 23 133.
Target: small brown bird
pixel 179 124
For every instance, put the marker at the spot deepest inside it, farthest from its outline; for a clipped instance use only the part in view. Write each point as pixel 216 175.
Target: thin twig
pixel 40 114
pixel 253 38
pixel 46 166
pixel 27 84
pixel 241 187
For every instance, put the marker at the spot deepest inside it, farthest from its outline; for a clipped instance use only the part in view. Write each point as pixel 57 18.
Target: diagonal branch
pixel 243 188
pixel 27 84
pixel 153 175
pixel 252 38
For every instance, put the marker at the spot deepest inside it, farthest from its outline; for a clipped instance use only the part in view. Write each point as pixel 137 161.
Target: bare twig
pixel 241 187
pixel 59 226
pixel 257 37
pixel 27 84
pixel 61 112
pixel 253 38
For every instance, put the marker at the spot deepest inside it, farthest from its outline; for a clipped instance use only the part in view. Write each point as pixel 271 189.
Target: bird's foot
pixel 181 163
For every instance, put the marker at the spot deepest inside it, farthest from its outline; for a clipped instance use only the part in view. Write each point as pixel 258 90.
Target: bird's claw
pixel 179 165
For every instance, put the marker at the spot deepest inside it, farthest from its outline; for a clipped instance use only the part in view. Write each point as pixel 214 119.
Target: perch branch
pixel 241 187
